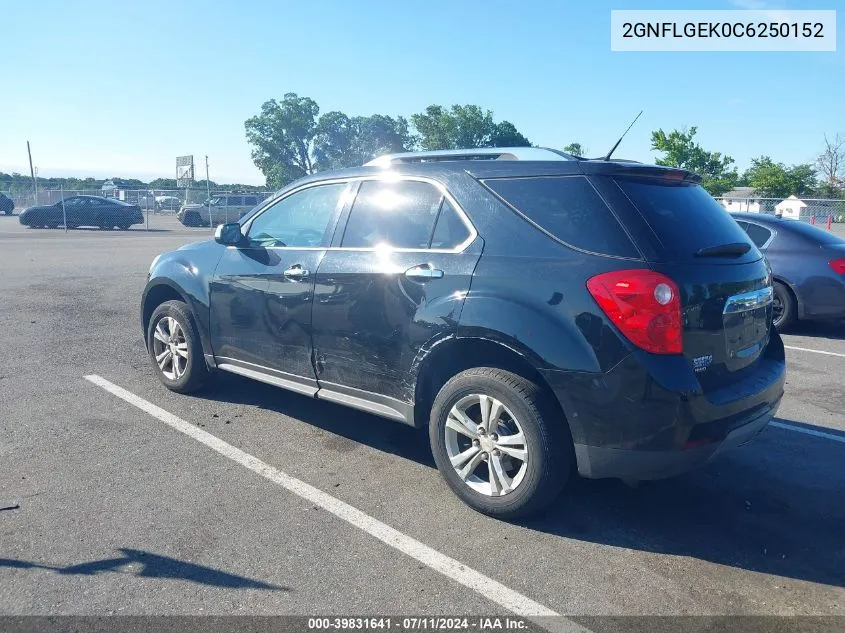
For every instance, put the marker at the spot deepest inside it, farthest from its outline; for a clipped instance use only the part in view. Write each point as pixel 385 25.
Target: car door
pixel 393 284
pixel 78 211
pixel 261 292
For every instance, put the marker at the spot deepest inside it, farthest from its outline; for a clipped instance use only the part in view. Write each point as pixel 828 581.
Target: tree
pixel 679 150
pixel 163 183
pixel 774 180
pixel 831 166
pixel 463 127
pixel 576 149
pixel 342 141
pixel 505 134
pixel 282 136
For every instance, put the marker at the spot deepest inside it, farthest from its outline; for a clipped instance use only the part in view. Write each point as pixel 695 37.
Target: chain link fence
pixel 158 209
pixel 824 212
pixel 165 209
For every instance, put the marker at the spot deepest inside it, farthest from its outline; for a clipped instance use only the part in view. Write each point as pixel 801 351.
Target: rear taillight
pixel 838 265
pixel 644 305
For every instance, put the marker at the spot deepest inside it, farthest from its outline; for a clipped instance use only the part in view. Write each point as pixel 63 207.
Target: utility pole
pixel 32 173
pixel 208 191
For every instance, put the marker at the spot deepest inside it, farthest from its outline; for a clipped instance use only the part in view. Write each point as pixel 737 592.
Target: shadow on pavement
pixel 773 506
pixel 147 565
pixel 821 329
pixel 381 434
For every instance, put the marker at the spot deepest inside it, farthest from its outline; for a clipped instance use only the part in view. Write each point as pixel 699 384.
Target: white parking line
pixel 814 433
pixel 814 351
pixel 492 590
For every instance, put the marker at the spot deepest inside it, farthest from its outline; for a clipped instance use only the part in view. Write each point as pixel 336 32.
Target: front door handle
pixel 296 272
pixel 424 272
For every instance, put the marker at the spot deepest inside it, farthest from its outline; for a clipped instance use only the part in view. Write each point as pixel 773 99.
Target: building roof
pixel 740 193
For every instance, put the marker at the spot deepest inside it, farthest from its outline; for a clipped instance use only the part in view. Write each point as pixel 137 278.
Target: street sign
pixel 184 171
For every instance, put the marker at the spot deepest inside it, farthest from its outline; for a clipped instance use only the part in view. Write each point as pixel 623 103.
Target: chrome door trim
pixel 306 386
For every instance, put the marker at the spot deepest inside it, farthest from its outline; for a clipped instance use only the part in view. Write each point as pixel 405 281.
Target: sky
pixel 121 88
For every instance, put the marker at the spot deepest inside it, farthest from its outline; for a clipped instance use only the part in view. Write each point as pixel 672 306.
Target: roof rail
pixel 478 153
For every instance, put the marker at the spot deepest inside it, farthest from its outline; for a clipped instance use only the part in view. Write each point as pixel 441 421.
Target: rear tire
pixel 485 471
pixel 785 307
pixel 175 348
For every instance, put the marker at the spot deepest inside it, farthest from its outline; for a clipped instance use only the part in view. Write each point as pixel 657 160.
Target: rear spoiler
pixel 667 174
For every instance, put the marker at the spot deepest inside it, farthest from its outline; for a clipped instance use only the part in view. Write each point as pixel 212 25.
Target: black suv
pixel 538 313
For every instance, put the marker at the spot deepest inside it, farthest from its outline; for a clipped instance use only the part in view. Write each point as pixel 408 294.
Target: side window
pixel 450 230
pixel 302 219
pixel 234 201
pixel 250 201
pixel 568 208
pixel 398 214
pixel 758 234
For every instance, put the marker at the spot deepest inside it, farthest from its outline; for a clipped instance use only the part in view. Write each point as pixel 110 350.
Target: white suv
pixel 224 207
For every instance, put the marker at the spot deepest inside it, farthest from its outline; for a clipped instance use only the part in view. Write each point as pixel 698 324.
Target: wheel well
pixel 456 355
pixel 155 297
pixel 798 306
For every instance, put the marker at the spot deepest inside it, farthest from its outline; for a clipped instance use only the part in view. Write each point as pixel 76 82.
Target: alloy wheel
pixel 777 308
pixel 170 348
pixel 486 445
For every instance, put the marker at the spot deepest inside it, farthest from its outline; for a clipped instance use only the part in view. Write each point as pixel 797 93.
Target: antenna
pixel 613 149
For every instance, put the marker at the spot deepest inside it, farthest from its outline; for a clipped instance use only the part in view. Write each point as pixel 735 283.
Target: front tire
pixel 175 349
pixel 496 443
pixel 784 308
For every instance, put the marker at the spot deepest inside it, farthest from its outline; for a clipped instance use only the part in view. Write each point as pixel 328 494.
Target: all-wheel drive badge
pixel 701 363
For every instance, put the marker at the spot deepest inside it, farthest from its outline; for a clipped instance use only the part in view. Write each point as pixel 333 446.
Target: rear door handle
pixel 296 272
pixel 424 272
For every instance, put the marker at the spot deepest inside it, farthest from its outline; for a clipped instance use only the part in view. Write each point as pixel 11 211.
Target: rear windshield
pixel 685 218
pixel 569 209
pixel 814 233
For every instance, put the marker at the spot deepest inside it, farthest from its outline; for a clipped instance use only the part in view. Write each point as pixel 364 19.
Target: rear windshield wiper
pixel 724 250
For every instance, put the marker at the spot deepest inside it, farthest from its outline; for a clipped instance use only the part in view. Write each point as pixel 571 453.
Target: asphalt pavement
pixel 123 512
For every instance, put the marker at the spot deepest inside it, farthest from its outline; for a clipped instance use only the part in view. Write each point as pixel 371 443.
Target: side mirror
pixel 229 234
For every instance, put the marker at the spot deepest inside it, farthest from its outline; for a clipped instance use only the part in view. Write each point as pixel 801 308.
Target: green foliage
pixel 290 141
pixel 464 127
pixel 680 150
pixel 505 134
pixel 576 149
pixel 775 180
pixel 342 141
pixel 282 137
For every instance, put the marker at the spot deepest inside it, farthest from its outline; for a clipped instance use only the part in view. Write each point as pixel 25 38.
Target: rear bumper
pixel 649 418
pixel 599 462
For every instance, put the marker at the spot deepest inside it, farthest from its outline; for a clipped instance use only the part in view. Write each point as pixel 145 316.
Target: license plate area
pixel 746 323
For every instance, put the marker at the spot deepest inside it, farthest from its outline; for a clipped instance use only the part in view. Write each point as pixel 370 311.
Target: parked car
pixel 97 211
pixel 7 205
pixel 808 265
pixel 146 200
pixel 224 208
pixel 536 316
pixel 167 203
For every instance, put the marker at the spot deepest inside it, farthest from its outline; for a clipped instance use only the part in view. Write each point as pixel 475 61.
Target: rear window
pixel 569 209
pixel 814 233
pixel 685 218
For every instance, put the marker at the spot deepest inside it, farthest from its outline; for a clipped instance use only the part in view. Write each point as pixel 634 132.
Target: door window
pixel 450 231
pixel 302 219
pixel 758 234
pixel 397 214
